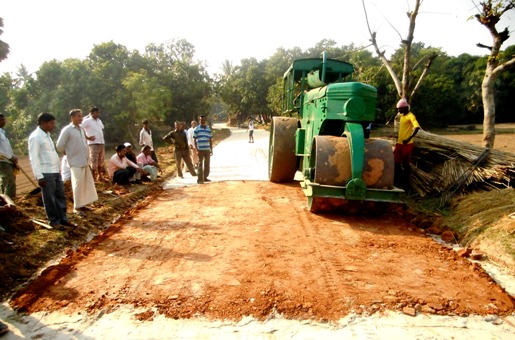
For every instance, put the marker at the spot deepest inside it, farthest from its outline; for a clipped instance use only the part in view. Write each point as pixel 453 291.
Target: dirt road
pixel 236 248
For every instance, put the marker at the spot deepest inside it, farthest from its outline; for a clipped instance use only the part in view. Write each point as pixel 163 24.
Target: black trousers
pixel 122 176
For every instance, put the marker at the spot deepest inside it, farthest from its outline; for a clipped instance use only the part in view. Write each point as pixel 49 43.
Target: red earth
pixel 229 249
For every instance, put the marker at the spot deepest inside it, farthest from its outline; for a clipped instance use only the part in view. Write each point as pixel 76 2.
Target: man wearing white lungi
pixel 72 142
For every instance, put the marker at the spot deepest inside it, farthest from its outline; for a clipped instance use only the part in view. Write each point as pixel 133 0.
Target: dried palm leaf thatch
pixel 422 182
pixel 471 218
pixel 440 162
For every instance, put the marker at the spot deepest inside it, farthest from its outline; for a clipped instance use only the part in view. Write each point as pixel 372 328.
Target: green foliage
pixel 431 109
pixel 165 83
pixel 4 47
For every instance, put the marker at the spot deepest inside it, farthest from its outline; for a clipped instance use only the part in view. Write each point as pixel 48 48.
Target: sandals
pixel 3 328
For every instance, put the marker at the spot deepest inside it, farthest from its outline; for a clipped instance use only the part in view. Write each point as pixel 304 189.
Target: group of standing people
pixel 82 143
pixel 196 143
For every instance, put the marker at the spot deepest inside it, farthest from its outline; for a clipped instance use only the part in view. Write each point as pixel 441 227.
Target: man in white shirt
pixel 95 135
pixel 121 170
pixel 45 165
pixel 72 143
pixel 145 138
pixel 191 143
pixel 8 162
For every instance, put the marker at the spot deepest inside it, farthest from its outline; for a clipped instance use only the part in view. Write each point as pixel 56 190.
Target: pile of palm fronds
pixel 438 163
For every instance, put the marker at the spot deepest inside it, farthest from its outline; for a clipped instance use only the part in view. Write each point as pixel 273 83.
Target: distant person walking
pixel 203 138
pixel 145 138
pixel 408 128
pixel 95 135
pixel 8 163
pixel 180 140
pixel 72 142
pixel 250 129
pixel 45 165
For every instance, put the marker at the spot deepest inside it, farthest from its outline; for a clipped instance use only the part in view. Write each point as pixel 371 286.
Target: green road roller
pixel 323 135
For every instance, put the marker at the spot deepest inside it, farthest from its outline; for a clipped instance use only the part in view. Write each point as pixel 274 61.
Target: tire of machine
pixel 282 162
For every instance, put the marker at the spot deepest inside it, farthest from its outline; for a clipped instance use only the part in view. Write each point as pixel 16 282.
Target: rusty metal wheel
pixel 331 161
pixel 282 162
pixel 347 207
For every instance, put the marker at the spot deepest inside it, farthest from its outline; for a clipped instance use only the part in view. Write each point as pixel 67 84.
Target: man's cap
pixel 127 144
pixel 402 103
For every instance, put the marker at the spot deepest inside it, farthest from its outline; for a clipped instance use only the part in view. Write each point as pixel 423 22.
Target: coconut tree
pixel 4 47
pixel 490 13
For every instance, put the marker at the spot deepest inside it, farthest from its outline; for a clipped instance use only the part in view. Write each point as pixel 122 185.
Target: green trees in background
pixel 4 47
pixel 166 83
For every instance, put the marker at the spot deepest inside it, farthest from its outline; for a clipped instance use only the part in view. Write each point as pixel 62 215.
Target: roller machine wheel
pixel 282 162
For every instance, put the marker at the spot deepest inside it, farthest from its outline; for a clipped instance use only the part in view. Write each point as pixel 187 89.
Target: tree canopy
pixel 166 83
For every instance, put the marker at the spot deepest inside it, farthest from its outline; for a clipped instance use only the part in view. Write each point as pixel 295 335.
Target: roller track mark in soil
pixel 329 266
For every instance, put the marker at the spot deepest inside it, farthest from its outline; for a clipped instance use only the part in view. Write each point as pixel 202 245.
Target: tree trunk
pixel 488 96
pixel 489 16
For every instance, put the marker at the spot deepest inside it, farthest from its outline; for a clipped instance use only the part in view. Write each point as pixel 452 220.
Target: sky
pixel 43 30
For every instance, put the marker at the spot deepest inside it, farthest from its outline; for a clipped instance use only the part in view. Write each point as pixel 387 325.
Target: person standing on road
pixel 8 163
pixel 145 138
pixel 408 128
pixel 72 142
pixel 203 138
pixel 180 140
pixel 191 144
pixel 95 135
pixel 250 129
pixel 45 165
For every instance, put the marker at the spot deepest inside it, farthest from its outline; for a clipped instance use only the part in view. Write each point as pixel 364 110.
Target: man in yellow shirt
pixel 408 128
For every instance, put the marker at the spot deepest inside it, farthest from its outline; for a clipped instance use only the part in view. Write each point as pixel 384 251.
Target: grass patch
pixel 485 217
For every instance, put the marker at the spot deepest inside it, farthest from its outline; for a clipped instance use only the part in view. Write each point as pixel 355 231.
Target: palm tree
pixel 227 68
pixel 4 47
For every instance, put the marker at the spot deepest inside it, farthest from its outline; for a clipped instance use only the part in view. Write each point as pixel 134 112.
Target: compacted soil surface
pixel 236 248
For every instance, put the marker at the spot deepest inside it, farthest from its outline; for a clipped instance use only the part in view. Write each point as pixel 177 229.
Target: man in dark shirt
pixel 131 156
pixel 180 140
